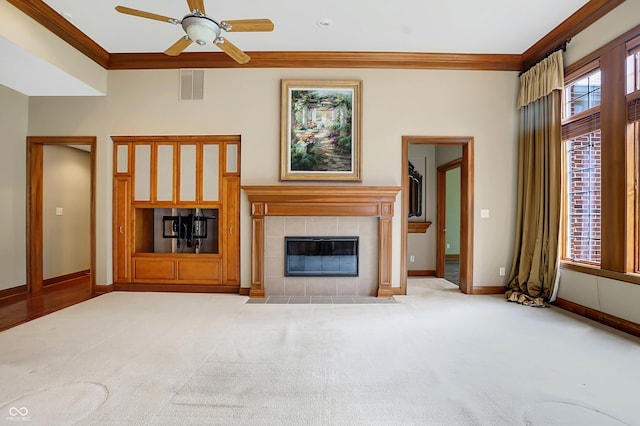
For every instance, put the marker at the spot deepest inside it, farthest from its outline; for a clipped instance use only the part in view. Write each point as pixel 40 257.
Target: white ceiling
pixel 444 26
pixel 450 26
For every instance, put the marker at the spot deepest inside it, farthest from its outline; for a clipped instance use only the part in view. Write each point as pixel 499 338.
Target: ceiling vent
pixel 191 85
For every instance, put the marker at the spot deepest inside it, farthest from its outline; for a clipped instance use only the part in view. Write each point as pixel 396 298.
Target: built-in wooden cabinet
pixel 168 187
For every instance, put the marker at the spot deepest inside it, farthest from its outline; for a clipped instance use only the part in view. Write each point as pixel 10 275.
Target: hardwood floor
pixel 20 308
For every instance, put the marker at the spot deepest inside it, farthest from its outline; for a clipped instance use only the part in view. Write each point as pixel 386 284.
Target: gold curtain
pixel 535 262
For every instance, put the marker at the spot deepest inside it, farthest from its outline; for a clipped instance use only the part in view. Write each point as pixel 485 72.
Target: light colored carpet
pixel 435 357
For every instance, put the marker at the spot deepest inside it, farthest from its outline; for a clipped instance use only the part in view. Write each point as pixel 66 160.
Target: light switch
pixel 58 211
pixel 484 213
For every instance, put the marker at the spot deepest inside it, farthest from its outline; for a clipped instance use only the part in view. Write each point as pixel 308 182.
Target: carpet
pixel 435 357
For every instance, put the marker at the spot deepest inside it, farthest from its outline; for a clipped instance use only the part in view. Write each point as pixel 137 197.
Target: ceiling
pixel 452 26
pixel 445 34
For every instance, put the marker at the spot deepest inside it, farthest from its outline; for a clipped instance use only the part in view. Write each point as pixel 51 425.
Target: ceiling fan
pixel 203 29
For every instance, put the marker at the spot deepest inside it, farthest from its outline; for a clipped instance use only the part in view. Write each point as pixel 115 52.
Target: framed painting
pixel 320 130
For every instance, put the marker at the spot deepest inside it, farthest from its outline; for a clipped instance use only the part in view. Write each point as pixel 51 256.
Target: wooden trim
pixel 617 211
pixel 570 27
pixel 40 12
pixel 34 204
pixel 452 257
pixel 104 289
pixel 599 316
pixel 595 55
pixel 594 270
pixel 244 291
pixel 466 207
pixel 489 290
pixel 66 277
pixel 177 288
pixel 287 59
pixel 418 227
pixel 422 273
pixel 286 200
pixel 7 295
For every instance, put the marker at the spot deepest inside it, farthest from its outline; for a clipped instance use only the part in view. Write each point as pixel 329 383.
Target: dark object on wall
pixel 415 192
pixel 321 256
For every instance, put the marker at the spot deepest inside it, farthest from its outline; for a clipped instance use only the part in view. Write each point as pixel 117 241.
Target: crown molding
pixel 40 12
pixel 581 19
pixel 569 28
pixel 395 60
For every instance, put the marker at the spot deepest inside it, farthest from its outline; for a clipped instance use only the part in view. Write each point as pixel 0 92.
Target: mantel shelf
pixel 418 227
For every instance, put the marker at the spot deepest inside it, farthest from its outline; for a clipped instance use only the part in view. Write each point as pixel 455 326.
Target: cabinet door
pixel 121 218
pixel 210 173
pixel 142 172
pixel 121 158
pixel 165 160
pixel 187 173
pixel 231 232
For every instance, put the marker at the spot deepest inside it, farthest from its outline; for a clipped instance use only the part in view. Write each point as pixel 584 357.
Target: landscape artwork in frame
pixel 320 130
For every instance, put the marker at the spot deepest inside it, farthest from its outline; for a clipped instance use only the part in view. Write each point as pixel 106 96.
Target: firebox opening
pixel 321 256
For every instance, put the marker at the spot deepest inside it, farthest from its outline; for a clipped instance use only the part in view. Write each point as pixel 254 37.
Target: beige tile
pixel 325 286
pixel 347 226
pixel 347 286
pixel 294 226
pixel 273 247
pixel 368 226
pixel 274 226
pixel 274 267
pixel 367 287
pixel 294 287
pixel 274 286
pixel 322 226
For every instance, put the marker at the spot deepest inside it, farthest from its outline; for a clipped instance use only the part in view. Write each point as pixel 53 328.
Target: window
pixel 633 131
pixel 582 182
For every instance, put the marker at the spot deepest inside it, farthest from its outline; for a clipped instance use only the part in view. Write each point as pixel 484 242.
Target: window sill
pixel 594 270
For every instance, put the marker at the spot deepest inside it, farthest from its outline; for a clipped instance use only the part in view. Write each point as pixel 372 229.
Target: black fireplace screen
pixel 321 256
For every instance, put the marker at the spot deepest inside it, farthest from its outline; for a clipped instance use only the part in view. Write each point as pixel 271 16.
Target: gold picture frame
pixel 320 130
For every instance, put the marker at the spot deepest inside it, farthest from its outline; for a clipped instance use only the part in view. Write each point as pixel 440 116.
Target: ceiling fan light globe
pixel 201 29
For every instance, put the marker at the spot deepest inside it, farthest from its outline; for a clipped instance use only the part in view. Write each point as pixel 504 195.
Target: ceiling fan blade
pixel 177 47
pixel 196 4
pixel 232 50
pixel 247 25
pixel 143 14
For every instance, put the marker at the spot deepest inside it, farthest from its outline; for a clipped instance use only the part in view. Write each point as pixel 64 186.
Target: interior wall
pixel 66 245
pixel 247 102
pixel 610 296
pixel 14 109
pixel 27 34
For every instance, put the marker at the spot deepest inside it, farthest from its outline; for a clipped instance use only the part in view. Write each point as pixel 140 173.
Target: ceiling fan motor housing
pixel 201 29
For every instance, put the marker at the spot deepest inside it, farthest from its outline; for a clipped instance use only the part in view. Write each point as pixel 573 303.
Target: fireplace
pixel 321 256
pixel 320 202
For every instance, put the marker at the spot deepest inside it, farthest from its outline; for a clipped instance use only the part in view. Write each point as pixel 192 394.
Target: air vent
pixel 191 85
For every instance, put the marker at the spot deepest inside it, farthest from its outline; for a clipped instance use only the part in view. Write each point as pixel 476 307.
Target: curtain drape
pixel 534 269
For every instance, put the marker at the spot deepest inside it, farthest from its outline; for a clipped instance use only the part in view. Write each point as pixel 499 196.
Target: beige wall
pixel 14 108
pixel 24 32
pixel 66 184
pixel 247 102
pixel 610 296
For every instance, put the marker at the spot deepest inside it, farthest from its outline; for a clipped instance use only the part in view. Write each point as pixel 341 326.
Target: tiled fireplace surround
pixel 279 211
pixel 278 227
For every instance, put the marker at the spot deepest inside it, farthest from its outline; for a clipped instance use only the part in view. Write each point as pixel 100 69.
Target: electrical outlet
pixel 501 272
pixel 58 211
pixel 448 245
pixel 412 258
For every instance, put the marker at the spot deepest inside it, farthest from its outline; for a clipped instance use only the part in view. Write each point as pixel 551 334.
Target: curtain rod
pixel 562 46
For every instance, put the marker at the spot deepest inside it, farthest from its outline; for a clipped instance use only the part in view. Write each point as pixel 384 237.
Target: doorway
pixel 466 208
pixel 35 207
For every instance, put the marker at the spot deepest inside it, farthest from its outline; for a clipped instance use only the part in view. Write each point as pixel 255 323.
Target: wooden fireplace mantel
pixel 288 200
